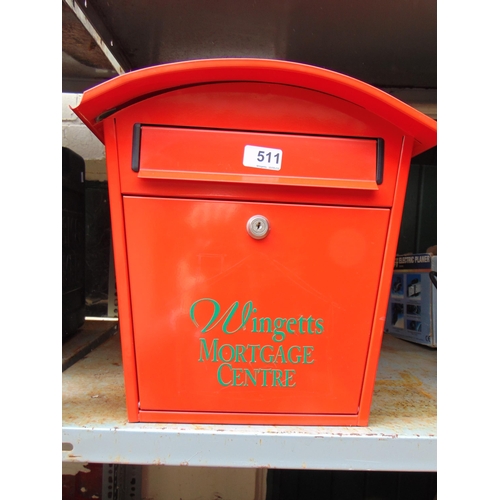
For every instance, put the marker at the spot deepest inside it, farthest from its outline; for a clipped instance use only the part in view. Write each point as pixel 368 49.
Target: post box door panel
pixel 256 158
pixel 228 321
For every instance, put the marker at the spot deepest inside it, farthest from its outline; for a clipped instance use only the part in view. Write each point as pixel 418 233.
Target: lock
pixel 258 227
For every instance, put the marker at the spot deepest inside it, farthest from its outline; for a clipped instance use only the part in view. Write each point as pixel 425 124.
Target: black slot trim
pixel 136 147
pixel 379 175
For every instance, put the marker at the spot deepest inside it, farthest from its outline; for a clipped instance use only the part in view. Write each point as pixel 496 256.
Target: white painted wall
pixel 77 137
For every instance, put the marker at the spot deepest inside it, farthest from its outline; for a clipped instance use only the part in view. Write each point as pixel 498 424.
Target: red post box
pixel 255 208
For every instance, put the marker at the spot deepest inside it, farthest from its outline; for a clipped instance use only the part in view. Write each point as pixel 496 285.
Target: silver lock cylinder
pixel 258 227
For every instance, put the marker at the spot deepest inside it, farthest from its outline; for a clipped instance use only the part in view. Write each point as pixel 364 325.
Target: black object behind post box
pixel 73 242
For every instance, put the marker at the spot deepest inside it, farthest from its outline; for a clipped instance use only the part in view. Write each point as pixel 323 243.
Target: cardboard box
pixel 412 310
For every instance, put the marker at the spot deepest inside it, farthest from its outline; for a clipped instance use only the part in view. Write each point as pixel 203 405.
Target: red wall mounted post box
pixel 255 208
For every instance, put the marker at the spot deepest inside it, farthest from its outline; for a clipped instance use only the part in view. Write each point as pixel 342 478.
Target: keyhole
pixel 258 227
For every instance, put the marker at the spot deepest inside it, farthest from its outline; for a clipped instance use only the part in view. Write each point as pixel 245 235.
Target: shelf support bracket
pixel 102 37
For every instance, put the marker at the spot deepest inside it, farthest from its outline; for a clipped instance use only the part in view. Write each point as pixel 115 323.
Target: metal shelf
pixel 402 434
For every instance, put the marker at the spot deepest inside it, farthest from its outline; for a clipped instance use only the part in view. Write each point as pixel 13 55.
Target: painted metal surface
pixel 168 153
pixel 284 111
pixel 402 435
pixel 183 143
pixel 276 329
pixel 120 92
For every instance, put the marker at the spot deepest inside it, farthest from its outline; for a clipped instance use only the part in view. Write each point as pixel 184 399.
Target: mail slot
pixel 255 209
pixel 168 153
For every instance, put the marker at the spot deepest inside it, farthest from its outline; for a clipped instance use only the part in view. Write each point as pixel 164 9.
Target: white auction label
pixel 259 157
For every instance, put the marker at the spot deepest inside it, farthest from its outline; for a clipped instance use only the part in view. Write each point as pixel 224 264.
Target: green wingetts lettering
pixel 279 327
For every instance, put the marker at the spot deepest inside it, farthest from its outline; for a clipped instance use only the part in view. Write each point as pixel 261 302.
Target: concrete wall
pixel 76 136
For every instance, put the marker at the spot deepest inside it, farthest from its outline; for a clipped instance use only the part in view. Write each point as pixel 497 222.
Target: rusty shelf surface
pixel 402 433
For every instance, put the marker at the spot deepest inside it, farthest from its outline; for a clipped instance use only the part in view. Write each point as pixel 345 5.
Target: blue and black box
pixel 412 310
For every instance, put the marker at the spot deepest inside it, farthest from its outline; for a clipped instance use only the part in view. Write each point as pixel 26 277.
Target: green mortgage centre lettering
pixel 267 364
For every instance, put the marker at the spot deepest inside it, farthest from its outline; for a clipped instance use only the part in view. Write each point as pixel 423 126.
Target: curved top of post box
pixel 129 88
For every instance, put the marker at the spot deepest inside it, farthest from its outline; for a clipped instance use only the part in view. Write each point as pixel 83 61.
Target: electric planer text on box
pixel 253 202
